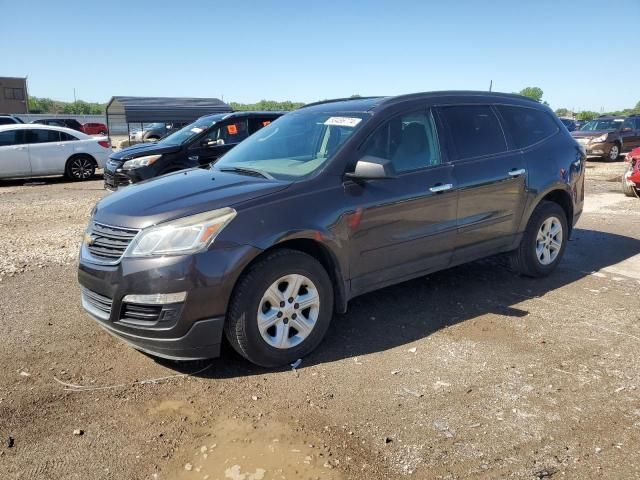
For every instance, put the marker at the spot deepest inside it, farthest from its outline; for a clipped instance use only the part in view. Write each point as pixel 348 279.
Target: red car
pixel 95 129
pixel 631 176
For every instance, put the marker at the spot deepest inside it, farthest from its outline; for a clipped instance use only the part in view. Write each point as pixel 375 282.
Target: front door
pixel 491 180
pixel 405 226
pixel 218 141
pixel 630 132
pixel 14 154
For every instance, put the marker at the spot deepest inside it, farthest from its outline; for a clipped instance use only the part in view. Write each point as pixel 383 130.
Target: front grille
pixel 96 303
pixel 132 312
pixel 109 243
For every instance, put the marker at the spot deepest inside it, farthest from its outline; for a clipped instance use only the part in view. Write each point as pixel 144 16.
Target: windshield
pixel 608 125
pixel 295 145
pixel 185 134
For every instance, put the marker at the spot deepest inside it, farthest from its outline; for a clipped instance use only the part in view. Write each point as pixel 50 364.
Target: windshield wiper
pixel 247 171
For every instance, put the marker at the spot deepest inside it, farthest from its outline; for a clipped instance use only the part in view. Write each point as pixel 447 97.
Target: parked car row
pixel 30 150
pixel 90 128
pixel 321 205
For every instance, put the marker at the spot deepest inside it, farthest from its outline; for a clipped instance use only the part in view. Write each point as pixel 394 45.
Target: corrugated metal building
pixel 13 95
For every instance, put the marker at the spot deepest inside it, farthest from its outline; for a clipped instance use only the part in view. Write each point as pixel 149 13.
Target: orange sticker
pixel 232 129
pixel 266 122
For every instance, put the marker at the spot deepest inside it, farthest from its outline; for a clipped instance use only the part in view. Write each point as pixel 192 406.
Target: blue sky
pixel 309 50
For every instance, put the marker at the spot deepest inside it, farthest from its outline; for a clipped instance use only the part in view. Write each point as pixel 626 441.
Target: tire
pixel 614 153
pixel 254 291
pixel 80 167
pixel 526 259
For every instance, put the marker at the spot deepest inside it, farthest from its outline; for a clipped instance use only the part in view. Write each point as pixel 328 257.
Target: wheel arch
pixel 81 154
pixel 560 196
pixel 322 253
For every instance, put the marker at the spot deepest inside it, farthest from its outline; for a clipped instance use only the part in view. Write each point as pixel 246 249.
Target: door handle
pixel 517 172
pixel 441 188
pixel 194 158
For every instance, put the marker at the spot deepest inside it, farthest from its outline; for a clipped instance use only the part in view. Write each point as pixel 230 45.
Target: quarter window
pixel 65 137
pixel 409 141
pixel 474 131
pixel 527 126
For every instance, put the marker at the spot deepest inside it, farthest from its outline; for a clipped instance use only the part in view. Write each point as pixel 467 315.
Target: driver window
pixel 628 123
pixel 409 141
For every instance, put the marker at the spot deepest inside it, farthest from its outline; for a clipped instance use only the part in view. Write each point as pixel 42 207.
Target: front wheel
pixel 80 167
pixel 543 242
pixel 281 308
pixel 628 187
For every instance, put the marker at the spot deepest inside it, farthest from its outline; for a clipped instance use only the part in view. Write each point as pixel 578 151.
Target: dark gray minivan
pixel 326 203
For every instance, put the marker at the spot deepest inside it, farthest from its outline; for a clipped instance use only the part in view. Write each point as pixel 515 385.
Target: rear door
pixel 256 123
pixel 48 154
pixel 14 154
pixel 491 180
pixel 404 226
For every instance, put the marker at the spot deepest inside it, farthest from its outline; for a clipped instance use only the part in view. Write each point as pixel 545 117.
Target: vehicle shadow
pixel 39 181
pixel 410 311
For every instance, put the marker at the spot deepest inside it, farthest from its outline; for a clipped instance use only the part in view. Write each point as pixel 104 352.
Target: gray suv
pixel 324 204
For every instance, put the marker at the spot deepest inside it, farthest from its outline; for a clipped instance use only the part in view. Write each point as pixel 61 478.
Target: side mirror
pixel 212 143
pixel 372 168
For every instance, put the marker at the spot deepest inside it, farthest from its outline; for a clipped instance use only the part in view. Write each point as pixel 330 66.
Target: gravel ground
pixel 468 373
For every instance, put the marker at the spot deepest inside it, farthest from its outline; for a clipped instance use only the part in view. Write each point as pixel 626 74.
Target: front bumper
pixel 187 330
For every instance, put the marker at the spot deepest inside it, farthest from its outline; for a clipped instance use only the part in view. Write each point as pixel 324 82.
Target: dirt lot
pixel 469 373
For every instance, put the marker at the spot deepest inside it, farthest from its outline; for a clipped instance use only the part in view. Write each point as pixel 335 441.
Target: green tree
pixel 534 93
pixel 586 115
pixel 564 112
pixel 269 105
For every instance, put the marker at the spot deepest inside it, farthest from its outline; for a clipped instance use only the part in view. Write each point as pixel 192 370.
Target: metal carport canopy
pixel 164 109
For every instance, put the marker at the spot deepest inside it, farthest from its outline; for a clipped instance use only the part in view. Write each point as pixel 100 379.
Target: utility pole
pixel 490 85
pixel 74 95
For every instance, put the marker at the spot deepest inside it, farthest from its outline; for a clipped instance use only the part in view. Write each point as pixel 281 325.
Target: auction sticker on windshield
pixel 343 121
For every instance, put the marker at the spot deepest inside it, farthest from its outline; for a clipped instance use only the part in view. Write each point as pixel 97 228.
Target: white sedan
pixel 29 150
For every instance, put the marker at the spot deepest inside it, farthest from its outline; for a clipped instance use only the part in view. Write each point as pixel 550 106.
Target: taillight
pixel 104 143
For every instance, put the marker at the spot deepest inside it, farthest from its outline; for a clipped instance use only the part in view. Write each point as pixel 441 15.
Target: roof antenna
pixel 490 85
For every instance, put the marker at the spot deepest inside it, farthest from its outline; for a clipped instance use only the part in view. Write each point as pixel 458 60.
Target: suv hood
pixel 143 149
pixel 180 194
pixel 589 134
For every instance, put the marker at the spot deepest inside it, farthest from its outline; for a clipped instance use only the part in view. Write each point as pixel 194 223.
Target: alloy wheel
pixel 549 241
pixel 614 152
pixel 81 168
pixel 288 311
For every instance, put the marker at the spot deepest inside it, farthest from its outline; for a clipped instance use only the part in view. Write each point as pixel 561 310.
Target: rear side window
pixel 44 136
pixel 6 121
pixel 527 126
pixel 474 131
pixel 65 137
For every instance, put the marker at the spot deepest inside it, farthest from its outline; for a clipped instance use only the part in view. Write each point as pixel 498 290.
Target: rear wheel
pixel 80 167
pixel 280 309
pixel 543 242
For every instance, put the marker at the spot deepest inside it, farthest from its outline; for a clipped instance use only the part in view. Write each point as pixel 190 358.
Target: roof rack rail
pixel 333 100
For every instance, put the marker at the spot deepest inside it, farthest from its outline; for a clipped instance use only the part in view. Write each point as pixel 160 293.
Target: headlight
pixel 182 236
pixel 140 162
pixel 601 138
